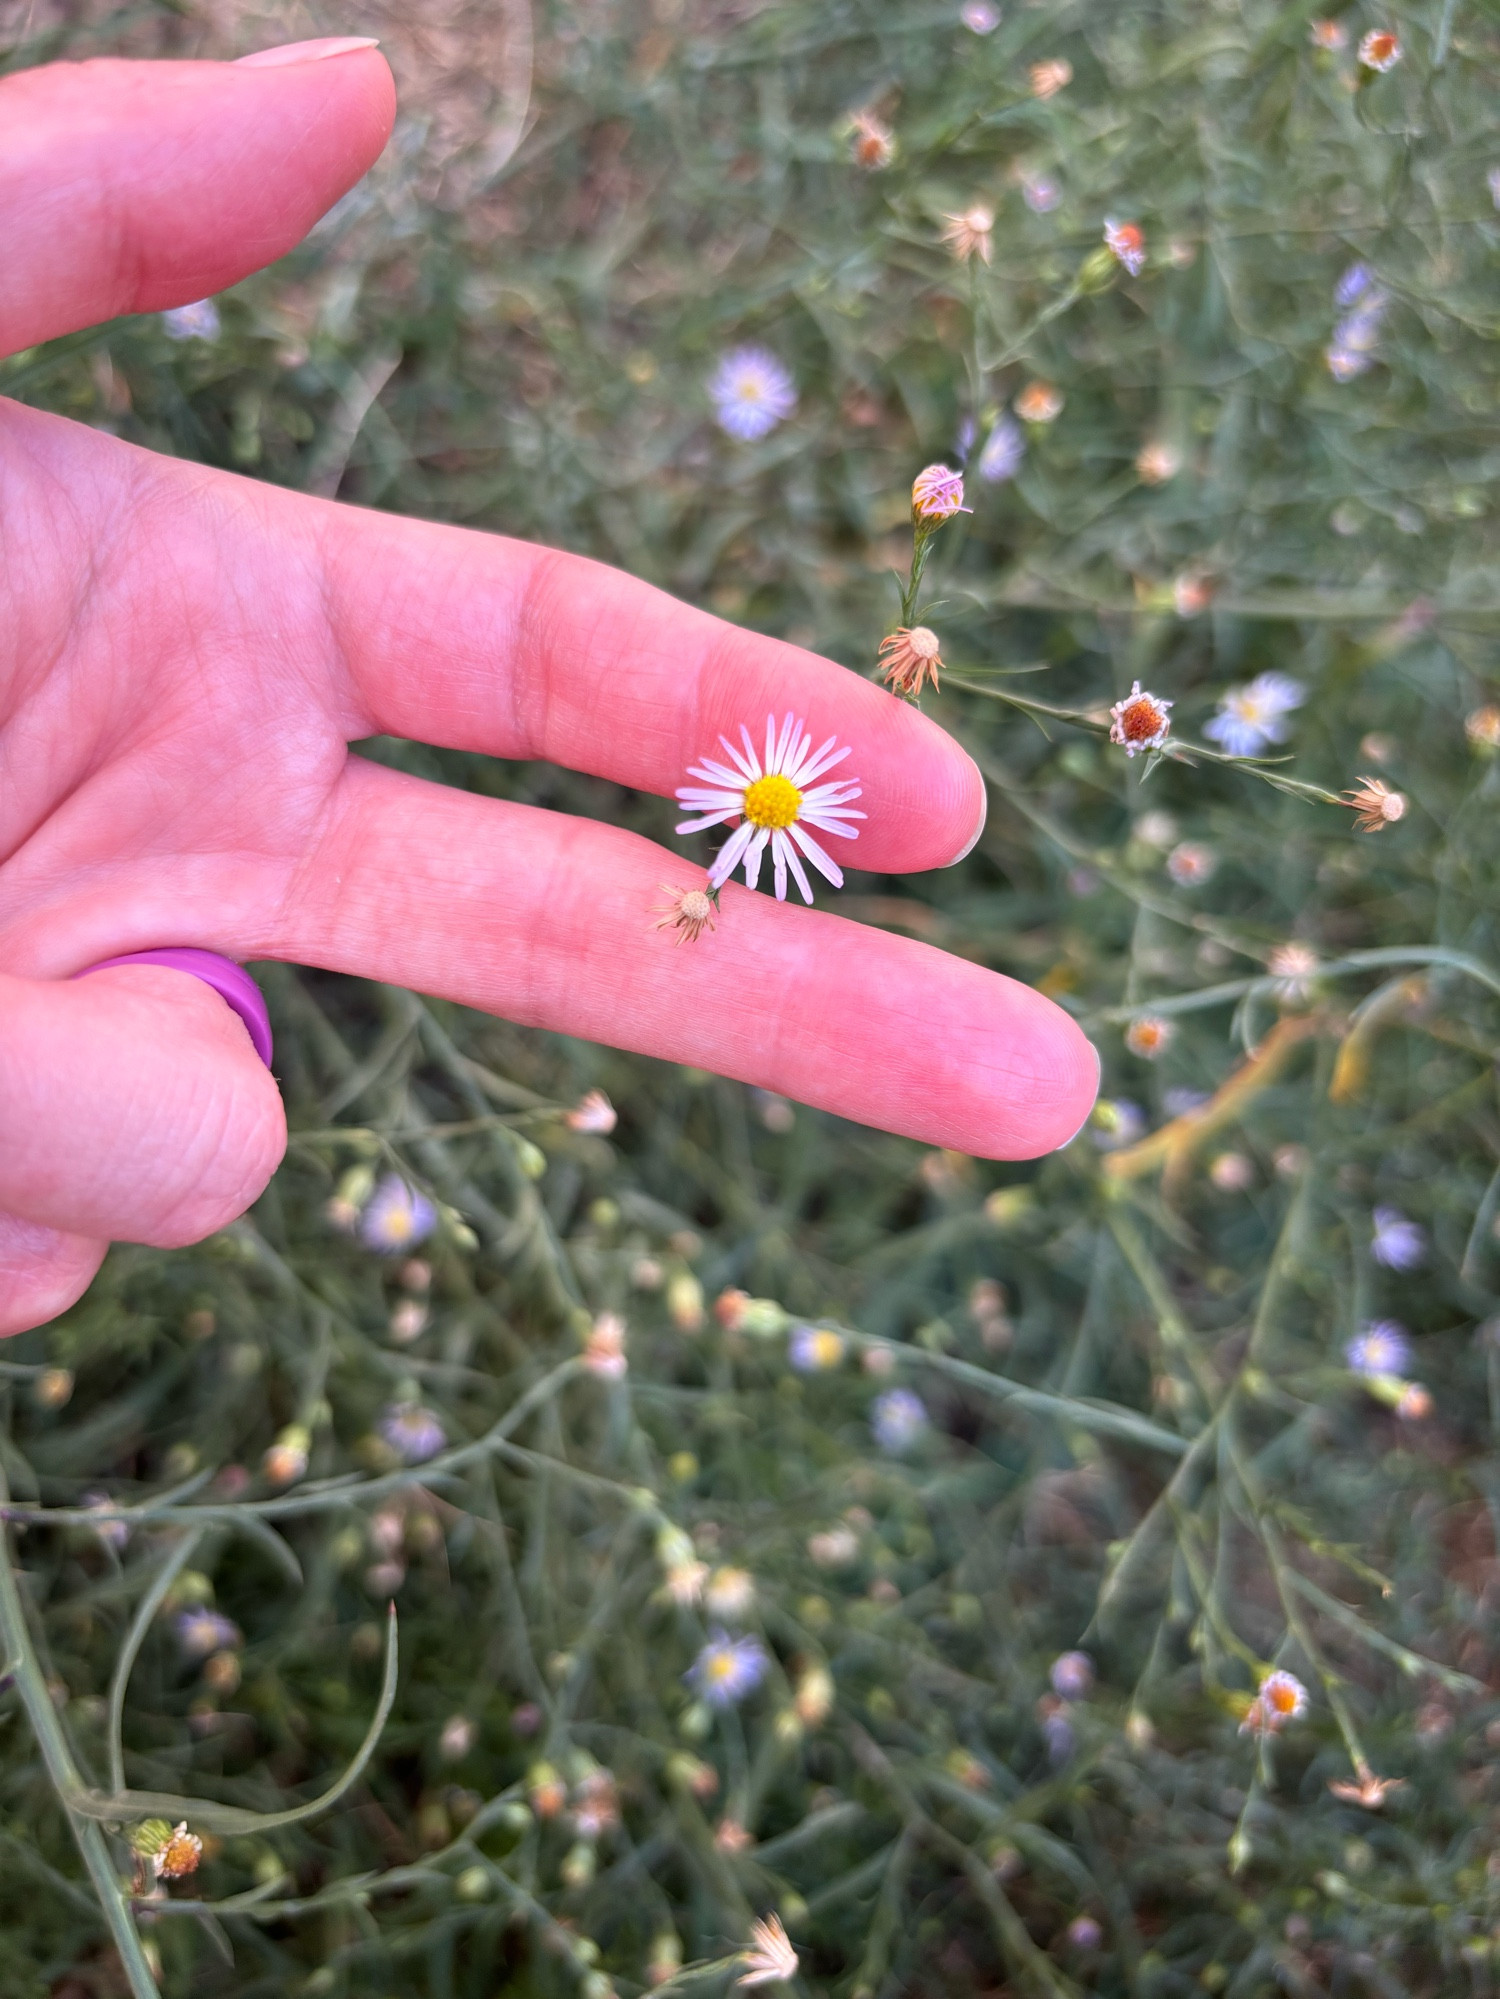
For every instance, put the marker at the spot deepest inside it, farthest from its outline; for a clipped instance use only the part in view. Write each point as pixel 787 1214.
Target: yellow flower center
pixel 772 801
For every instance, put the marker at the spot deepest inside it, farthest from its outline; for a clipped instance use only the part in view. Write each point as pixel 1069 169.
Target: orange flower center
pixel 1140 719
pixel 1382 47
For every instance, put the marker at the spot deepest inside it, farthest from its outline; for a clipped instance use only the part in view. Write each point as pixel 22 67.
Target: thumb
pixel 42 1272
pixel 132 1105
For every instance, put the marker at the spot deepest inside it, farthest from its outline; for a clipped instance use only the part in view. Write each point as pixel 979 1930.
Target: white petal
pixel 702 825
pixel 819 859
pixel 841 793
pixel 749 751
pixel 823 761
pixel 716 773
pixel 798 871
pixel 750 770
pixel 791 728
pixel 770 744
pixel 753 855
pixel 831 826
pixel 713 791
pixel 728 857
pixel 779 844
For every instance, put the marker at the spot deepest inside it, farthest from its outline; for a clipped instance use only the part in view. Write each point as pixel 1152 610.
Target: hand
pixel 186 656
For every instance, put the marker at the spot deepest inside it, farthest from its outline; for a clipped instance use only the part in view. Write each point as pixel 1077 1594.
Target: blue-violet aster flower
pixel 751 393
pixel 1398 1243
pixel 898 1420
pixel 396 1218
pixel 413 1433
pixel 1382 1348
pixel 1252 716
pixel 728 1668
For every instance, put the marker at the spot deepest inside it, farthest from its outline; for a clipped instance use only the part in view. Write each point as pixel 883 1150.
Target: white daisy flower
pixel 775 799
pixel 1252 716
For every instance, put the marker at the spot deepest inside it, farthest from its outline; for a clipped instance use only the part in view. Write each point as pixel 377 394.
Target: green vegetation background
pixel 1148 1442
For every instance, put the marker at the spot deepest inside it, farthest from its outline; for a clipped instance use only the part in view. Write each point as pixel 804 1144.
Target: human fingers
pixel 42 1272
pixel 130 186
pixel 134 1107
pixel 480 643
pixel 550 921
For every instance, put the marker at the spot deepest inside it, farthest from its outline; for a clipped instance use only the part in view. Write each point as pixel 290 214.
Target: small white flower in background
pixel 198 321
pixel 814 1349
pixel 1293 966
pixel 1192 593
pixel 980 17
pixel 730 1594
pixel 408 1322
pixel 1149 1036
pixel 685 1580
pixel 604 1350
pixel 727 1669
pixel 814 1696
pixel 1004 448
pixel 1231 1173
pixel 201 1631
pixel 751 393
pixel 967 234
pixel 1040 193
pixel 1155 463
pixel 776 802
pixel 770 1960
pixel 1191 863
pixel 593 1113
pixel 1380 50
pixel 1397 1243
pixel 457 1738
pixel 414 1434
pixel 898 1420
pixel 1382 1348
pixel 1254 715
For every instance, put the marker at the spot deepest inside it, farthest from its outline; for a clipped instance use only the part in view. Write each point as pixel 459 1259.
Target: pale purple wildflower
pixel 413 1433
pixel 1252 716
pixel 1180 1102
pixel 396 1217
pixel 898 1420
pixel 963 442
pixel 1003 451
pixel 980 17
pixel 1398 1243
pixel 1084 1933
pixel 1382 1348
pixel 113 1533
pixel 751 392
pixel 1040 193
pixel 1354 283
pixel 728 1668
pixel 1072 1675
pixel 201 1631
pixel 198 321
pixel 1116 1121
pixel 1057 1733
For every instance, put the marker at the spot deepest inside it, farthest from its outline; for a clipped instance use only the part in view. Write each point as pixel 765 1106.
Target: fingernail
pixel 973 840
pixel 1098 1078
pixel 293 52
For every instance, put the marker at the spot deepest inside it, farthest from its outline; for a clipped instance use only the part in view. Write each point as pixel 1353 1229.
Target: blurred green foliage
pixel 1143 1436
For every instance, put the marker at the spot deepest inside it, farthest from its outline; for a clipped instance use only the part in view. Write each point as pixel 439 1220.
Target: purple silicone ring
pixel 230 981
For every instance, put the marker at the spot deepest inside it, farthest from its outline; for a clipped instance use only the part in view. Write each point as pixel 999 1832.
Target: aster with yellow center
pixel 775 799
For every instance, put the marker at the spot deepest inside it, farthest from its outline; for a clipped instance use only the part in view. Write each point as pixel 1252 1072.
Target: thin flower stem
pixel 135 1637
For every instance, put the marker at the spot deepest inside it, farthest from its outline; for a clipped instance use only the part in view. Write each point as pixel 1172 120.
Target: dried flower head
pixel 1330 35
pixel 1380 50
pixel 689 911
pixel 968 234
pixel 178 1855
pixel 1375 805
pixel 1141 721
pixel 1293 966
pixel 1414 1404
pixel 592 1113
pixel 751 393
pixel 1231 1172
pixel 872 142
pixel 1048 78
pixel 909 658
pixel 604 1350
pixel 1369 1790
pixel 1280 1698
pixel 1482 728
pixel 937 494
pixel 1127 245
pixel 1156 462
pixel 775 802
pixel 1192 593
pixel 1148 1036
pixel 1039 402
pixel 814 1696
pixel 770 1959
pixel 1191 863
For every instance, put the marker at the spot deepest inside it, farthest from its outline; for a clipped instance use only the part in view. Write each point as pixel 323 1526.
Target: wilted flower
pixel 604 1350
pixel 1252 716
pixel 1399 1244
pixel 898 1419
pixel 751 393
pixel 937 494
pixel 1330 35
pixel 909 658
pixel 685 1580
pixel 1191 863
pixel 1142 721
pixel 1414 1404
pixel 1293 966
pixel 1380 50
pixel 1231 1172
pixel 1192 593
pixel 814 1696
pixel 776 803
pixel 1048 78
pixel 1127 245
pixel 596 1804
pixel 728 1668
pixel 397 1217
pixel 967 234
pixel 1039 402
pixel 732 1837
pixel 814 1349
pixel 1148 1035
pixel 593 1113
pixel 1003 451
pixel 873 142
pixel 730 1593
pixel 457 1739
pixel 1375 805
pixel 1084 1933
pixel 1369 1791
pixel 1072 1675
pixel 286 1460
pixel 413 1433
pixel 980 17
pixel 1280 1698
pixel 1382 1348
pixel 1116 1122
pixel 201 1631
pixel 546 1792
pixel 770 1960
pixel 1482 727
pixel 689 912
pixel 1156 462
pixel 1040 193
pixel 198 321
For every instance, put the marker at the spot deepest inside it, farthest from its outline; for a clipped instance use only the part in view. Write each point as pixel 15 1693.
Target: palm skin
pixel 185 658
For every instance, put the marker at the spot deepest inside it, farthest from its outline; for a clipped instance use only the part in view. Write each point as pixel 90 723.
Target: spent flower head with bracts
pixel 1294 966
pixel 1126 243
pixel 969 233
pixel 1396 1242
pixel 1380 50
pixel 751 392
pixel 776 799
pixel 727 1669
pixel 413 1433
pixel 604 1349
pixel 1382 1348
pixel 1253 716
pixel 1375 805
pixel 770 1958
pixel 1039 402
pixel 593 1113
pixel 1280 1698
pixel 1192 862
pixel 909 658
pixel 872 142
pixel 1328 35
pixel 1157 462
pixel 1142 721
pixel 1149 1036
pixel 396 1218
pixel 1048 78
pixel 937 494
pixel 689 911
